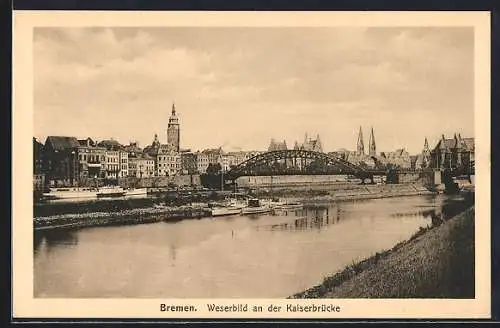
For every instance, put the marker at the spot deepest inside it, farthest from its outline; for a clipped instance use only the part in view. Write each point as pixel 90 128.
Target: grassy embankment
pixel 434 263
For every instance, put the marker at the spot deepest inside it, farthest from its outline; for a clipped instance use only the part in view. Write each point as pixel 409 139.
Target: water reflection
pixel 54 238
pixel 313 217
pixel 263 255
pixel 321 216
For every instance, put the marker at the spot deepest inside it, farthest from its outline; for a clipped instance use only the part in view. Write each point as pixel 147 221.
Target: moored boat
pixel 290 206
pixel 223 211
pixel 111 191
pixel 70 193
pixel 255 207
pixel 136 192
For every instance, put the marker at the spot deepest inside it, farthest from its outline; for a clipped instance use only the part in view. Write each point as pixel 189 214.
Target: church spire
pixel 373 148
pixel 361 145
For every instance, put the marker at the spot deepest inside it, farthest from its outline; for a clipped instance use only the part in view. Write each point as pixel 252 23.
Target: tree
pixel 317 166
pixel 214 168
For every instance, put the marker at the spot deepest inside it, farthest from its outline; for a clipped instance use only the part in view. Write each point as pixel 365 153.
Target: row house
pixel 207 157
pixel 141 166
pixel 132 165
pixel 237 157
pixel 116 159
pixel 112 164
pixel 91 160
pixel 201 162
pixel 133 153
pixel 168 161
pixel 145 166
pixel 123 158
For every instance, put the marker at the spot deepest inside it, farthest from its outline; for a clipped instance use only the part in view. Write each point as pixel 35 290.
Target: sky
pixel 237 88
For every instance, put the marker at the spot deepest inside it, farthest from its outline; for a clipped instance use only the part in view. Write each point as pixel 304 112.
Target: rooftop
pixel 60 143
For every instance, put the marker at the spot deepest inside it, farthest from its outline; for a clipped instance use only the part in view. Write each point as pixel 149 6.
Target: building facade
pixel 168 161
pixel 91 160
pixel 61 161
pixel 38 173
pixel 112 159
pixel 201 162
pixel 112 164
pixel 132 165
pixel 123 158
pixel 453 153
pixel 145 166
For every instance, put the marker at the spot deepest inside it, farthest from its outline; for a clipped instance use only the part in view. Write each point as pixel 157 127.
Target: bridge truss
pixel 286 162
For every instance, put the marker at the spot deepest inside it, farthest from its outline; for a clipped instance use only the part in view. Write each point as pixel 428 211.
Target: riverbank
pixel 122 217
pixel 436 262
pixel 150 210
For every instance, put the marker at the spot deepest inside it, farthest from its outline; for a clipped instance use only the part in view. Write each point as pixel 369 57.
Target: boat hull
pixel 111 194
pixel 137 192
pixel 71 195
pixel 256 210
pixel 225 211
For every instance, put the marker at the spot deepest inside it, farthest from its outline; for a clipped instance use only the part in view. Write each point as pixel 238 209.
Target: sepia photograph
pixel 294 162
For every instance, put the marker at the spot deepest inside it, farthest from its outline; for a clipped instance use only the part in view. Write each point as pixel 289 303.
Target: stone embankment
pixel 122 217
pixel 436 262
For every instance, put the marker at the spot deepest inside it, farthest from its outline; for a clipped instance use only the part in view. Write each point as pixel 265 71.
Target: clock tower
pixel 173 130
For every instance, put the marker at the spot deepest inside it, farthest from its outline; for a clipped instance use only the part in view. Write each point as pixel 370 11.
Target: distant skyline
pixel 240 87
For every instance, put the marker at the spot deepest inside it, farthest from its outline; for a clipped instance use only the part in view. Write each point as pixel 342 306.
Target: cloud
pixel 278 81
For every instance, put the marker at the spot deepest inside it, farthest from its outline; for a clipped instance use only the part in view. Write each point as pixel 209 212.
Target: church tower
pixel 426 150
pixel 173 130
pixel 361 145
pixel 373 147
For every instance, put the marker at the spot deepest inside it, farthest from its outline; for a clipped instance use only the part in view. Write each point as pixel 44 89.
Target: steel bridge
pixel 296 162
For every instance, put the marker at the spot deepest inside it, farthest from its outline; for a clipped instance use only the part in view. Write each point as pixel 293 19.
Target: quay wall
pixel 265 181
pixel 426 177
pixel 337 192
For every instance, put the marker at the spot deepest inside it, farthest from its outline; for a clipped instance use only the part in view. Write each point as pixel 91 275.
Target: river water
pixel 260 256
